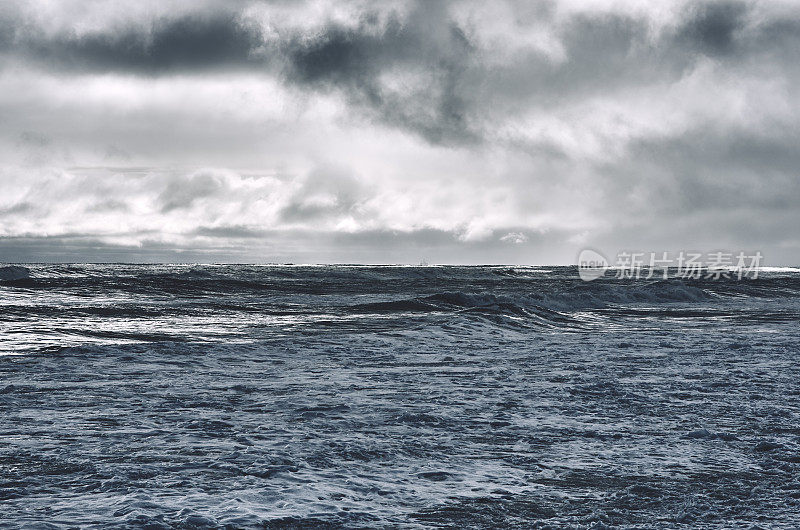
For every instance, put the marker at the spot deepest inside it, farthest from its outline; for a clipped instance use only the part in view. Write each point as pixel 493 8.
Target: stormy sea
pixel 207 396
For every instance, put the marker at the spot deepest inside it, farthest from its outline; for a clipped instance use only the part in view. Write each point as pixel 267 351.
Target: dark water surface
pixel 259 396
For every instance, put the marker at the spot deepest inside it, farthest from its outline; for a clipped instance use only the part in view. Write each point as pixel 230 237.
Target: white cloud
pixel 514 237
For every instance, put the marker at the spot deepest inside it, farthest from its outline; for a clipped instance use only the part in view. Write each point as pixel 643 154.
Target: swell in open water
pixel 166 396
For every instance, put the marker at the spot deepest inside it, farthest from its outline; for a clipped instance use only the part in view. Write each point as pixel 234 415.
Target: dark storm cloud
pixel 608 52
pixel 193 41
pixel 353 59
pixel 346 59
pixel 712 27
pixel 461 94
pixel 450 94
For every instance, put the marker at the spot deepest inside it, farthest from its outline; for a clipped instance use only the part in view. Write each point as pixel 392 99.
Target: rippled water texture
pixel 205 396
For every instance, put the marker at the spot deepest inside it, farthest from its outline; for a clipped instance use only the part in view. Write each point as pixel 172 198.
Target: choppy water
pixel 252 396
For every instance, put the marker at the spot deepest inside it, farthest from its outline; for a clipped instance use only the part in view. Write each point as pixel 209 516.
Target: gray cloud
pixel 109 205
pixel 231 232
pixel 215 39
pixel 459 93
pixel 707 171
pixel 353 59
pixel 19 208
pixel 712 27
pixel 183 191
pixel 450 90
pixel 326 192
pixel 294 246
pixel 432 128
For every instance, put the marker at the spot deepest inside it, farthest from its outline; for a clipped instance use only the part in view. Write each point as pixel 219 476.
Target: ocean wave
pixel 560 289
pixel 403 306
pixel 586 296
pixel 598 295
pixel 502 311
pixel 445 302
pixel 14 272
pixel 267 301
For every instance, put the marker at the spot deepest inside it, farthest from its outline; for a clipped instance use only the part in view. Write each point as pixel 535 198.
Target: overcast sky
pixel 390 132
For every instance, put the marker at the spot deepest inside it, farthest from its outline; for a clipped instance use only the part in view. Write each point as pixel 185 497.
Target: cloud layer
pixel 388 132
